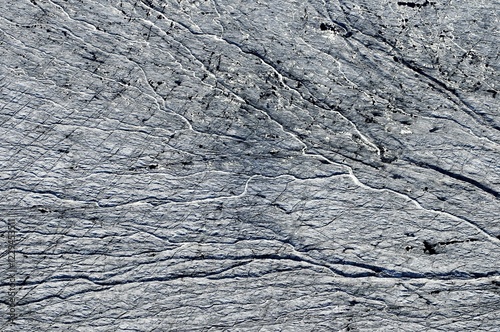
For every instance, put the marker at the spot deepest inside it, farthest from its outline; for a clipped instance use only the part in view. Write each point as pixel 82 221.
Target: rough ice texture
pixel 216 165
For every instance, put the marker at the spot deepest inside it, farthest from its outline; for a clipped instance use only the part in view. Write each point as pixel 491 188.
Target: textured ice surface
pixel 221 165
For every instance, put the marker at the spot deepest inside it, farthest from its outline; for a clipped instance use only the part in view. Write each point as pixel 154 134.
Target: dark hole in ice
pixel 429 248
